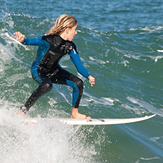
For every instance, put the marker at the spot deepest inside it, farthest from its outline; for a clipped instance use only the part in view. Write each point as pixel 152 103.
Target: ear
pixel 67 30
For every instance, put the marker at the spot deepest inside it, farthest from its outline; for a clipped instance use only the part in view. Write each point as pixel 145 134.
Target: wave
pixel 37 141
pixel 151 29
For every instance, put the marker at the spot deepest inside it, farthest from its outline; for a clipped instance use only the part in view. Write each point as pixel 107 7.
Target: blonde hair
pixel 63 21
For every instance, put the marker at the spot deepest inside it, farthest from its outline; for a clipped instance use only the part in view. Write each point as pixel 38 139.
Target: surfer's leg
pixel 77 85
pixel 44 87
pixel 65 77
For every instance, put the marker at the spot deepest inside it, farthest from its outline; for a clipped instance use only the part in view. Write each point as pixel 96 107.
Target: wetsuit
pixel 46 69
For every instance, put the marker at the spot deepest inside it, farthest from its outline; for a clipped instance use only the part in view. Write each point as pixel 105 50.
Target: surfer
pixel 46 70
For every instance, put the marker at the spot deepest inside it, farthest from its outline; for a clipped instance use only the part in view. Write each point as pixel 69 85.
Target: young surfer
pixel 46 70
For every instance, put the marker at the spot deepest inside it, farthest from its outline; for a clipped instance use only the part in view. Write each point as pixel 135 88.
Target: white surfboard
pixel 105 121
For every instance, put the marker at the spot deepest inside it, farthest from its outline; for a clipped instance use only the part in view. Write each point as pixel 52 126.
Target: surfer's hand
pixel 19 37
pixel 91 80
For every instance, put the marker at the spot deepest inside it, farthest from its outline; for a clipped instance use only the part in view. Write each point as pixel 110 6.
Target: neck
pixel 63 36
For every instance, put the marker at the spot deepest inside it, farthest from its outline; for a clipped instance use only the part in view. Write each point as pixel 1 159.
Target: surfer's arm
pixel 27 41
pixel 80 68
pixel 33 41
pixel 78 64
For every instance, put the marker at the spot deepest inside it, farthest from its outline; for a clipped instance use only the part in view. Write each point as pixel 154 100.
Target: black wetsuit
pixel 46 69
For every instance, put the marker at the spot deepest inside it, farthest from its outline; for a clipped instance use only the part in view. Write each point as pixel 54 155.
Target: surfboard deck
pixel 101 121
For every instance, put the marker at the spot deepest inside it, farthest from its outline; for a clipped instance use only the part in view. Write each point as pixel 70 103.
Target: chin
pixel 70 39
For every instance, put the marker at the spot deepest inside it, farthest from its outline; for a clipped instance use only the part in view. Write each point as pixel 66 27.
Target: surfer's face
pixel 71 32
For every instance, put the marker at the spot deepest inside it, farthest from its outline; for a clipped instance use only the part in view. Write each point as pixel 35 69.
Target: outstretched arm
pixel 27 41
pixel 81 69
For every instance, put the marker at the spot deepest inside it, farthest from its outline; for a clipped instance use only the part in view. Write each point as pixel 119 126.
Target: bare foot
pixel 80 116
pixel 21 113
pixel 76 115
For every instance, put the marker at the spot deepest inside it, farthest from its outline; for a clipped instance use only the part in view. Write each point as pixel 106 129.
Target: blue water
pixel 121 44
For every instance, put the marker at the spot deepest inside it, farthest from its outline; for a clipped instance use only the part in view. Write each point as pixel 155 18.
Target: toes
pixel 87 117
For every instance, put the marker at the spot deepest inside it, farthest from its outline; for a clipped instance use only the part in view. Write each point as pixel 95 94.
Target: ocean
pixel 121 45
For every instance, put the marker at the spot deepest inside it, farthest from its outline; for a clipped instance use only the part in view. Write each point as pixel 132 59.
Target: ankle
pixel 74 112
pixel 23 109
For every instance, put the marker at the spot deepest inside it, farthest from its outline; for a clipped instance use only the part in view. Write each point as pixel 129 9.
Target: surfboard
pixel 101 121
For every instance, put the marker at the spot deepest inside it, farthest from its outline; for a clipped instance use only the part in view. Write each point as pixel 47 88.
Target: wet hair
pixel 63 21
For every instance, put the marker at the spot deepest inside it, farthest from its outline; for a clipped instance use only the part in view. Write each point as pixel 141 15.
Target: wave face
pixel 120 43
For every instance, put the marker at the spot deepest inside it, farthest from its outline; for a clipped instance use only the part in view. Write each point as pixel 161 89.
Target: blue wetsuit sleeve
pixel 78 64
pixel 33 41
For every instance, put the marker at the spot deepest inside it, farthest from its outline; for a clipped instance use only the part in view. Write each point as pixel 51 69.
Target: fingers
pixel 92 83
pixel 19 36
pixel 91 80
pixel 16 34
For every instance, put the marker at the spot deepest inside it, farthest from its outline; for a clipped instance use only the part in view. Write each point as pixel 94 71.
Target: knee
pixel 46 86
pixel 76 84
pixel 80 84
